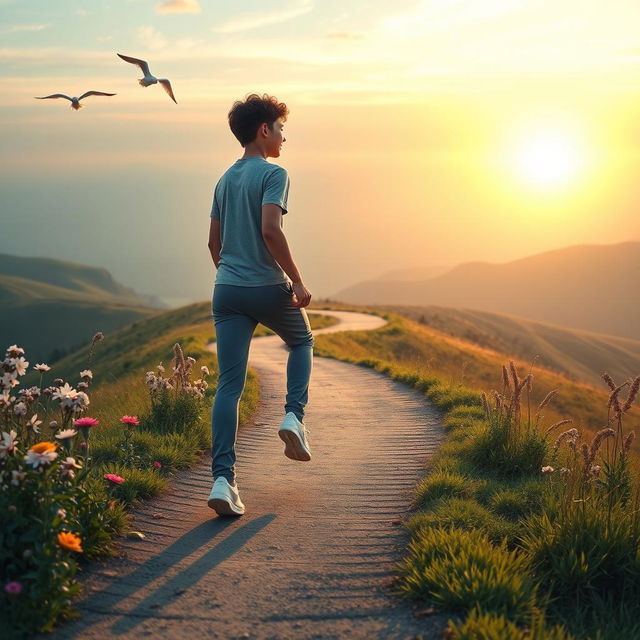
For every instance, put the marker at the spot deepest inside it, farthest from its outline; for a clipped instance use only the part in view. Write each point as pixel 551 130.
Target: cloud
pixel 254 20
pixel 26 27
pixel 151 38
pixel 179 6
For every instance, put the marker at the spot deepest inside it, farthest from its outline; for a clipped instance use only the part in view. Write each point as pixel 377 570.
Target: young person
pixel 257 281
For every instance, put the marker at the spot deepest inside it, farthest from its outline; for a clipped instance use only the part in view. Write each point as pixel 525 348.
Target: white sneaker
pixel 225 499
pixel 294 434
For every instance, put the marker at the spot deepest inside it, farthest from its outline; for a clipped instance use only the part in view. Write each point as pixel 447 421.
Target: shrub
pixel 480 625
pixel 454 570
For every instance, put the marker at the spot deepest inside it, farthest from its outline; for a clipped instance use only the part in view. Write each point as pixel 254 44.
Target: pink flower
pixel 112 477
pixel 85 422
pixel 13 588
pixel 132 420
pixel 157 464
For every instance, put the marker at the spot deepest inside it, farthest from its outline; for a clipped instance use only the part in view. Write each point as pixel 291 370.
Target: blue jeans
pixel 236 312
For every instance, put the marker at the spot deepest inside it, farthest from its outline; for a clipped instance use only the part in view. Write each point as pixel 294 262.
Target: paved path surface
pixel 313 553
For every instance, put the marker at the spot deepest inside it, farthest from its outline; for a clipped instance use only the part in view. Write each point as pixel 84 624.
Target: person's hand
pixel 301 295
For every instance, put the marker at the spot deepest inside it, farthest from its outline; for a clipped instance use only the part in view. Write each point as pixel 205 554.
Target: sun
pixel 547 160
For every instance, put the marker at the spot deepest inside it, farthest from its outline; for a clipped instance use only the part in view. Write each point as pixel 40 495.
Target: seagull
pixel 75 102
pixel 148 78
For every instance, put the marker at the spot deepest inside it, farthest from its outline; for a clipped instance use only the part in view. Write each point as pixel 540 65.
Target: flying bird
pixel 75 102
pixel 148 78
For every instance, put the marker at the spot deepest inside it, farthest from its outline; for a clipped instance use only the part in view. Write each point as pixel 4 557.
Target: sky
pixel 420 132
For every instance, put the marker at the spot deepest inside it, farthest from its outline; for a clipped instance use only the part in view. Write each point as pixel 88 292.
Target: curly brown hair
pixel 247 115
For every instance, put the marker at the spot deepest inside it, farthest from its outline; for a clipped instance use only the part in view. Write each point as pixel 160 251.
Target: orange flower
pixel 70 541
pixel 43 447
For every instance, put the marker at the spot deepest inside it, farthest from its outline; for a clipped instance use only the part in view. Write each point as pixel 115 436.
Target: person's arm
pixel 214 241
pixel 278 246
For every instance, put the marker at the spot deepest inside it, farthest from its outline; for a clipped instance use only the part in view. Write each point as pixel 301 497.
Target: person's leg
pixel 233 337
pixel 273 307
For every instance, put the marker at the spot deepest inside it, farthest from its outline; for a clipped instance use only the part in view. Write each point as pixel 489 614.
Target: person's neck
pixel 253 151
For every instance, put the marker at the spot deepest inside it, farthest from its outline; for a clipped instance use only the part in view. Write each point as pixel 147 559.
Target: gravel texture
pixel 314 554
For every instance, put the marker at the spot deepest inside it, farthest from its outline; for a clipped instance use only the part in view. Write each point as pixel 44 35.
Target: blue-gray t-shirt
pixel 238 197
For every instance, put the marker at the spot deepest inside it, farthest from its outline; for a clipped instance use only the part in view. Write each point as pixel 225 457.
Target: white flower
pixel 15 349
pixel 20 364
pixel 9 380
pixel 36 459
pixel 6 399
pixel 65 392
pixel 547 469
pixel 66 433
pixel 87 373
pixel 70 463
pixel 34 422
pixel 42 367
pixel 8 442
pixel 595 470
pixel 160 368
pixel 20 408
pixel 17 477
pixel 205 370
pixel 61 513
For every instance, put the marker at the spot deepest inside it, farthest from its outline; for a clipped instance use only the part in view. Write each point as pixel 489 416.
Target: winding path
pixel 313 553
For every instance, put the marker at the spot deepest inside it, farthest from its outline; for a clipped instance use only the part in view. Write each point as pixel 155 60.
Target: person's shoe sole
pixel 223 508
pixel 222 502
pixel 293 446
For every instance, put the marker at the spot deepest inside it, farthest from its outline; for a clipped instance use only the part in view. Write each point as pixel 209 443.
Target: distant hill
pixel 588 287
pixel 576 354
pixel 52 306
pixel 413 274
pixel 73 276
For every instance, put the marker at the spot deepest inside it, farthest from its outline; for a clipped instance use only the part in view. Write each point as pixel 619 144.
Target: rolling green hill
pixel 51 306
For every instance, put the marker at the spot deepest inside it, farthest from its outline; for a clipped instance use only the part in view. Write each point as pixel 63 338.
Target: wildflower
pixel 41 453
pixel 547 469
pixel 65 434
pixel 61 513
pixel 17 477
pixel 20 365
pixel 70 541
pixel 157 464
pixel 8 380
pixel 82 385
pixel 70 463
pixel 20 408
pixel 42 367
pixel 130 420
pixel 205 370
pixel 15 350
pixel 87 373
pixel 34 422
pixel 13 588
pixel 595 470
pixel 80 401
pixel 53 424
pixel 8 443
pixel 65 393
pixel 57 382
pixel 85 422
pixel 6 399
pixel 112 477
pixel 160 368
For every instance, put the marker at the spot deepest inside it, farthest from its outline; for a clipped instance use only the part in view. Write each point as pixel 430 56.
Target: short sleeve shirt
pixel 237 202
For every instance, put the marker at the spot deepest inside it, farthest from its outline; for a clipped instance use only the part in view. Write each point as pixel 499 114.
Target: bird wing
pixel 141 63
pixel 167 87
pixel 53 95
pixel 95 93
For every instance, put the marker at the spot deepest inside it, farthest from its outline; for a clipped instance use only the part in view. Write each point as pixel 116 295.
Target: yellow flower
pixel 70 541
pixel 43 447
